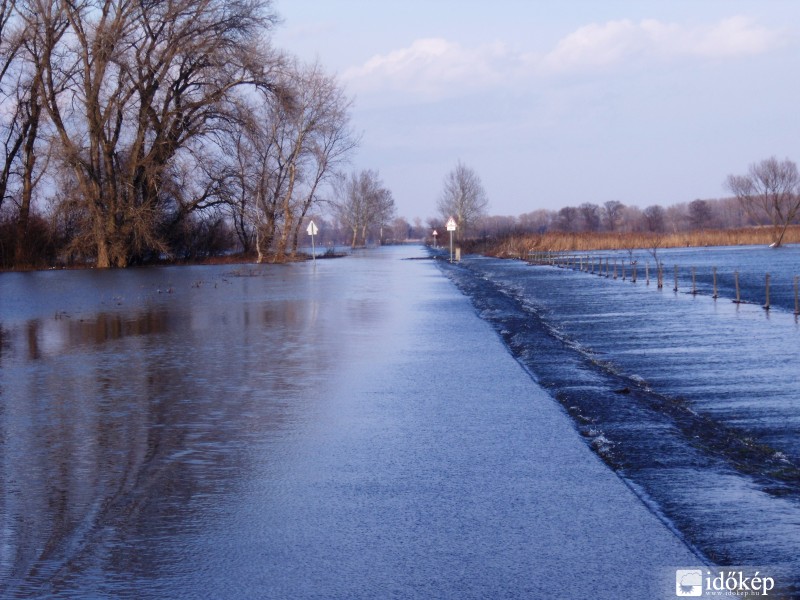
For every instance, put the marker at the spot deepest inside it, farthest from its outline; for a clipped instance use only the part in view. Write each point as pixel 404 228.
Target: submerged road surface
pixel 350 430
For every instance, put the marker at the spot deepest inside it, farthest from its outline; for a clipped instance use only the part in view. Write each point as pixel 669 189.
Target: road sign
pixel 451 227
pixel 312 231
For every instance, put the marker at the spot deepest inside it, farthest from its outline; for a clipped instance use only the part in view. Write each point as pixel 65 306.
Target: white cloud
pixel 429 68
pixel 623 42
pixel 595 45
pixel 736 36
pixel 434 68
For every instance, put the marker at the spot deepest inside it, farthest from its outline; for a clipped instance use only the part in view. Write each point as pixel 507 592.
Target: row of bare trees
pixel 135 124
pixel 768 195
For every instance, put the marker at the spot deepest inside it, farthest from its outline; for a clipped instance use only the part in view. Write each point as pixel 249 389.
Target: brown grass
pixel 518 245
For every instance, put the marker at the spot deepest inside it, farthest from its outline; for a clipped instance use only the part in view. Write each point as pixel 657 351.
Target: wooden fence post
pixel 714 271
pixel 675 289
pixel 736 283
pixel 766 304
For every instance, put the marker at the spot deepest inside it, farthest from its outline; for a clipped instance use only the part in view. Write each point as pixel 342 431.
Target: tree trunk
pixel 286 232
pixel 103 259
pixel 778 235
pixel 22 250
pixel 287 215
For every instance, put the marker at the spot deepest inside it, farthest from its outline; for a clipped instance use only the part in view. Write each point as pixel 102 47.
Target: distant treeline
pixel 615 217
pixel 764 209
pixel 716 222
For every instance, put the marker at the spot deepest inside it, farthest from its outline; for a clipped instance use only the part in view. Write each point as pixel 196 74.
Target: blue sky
pixel 559 103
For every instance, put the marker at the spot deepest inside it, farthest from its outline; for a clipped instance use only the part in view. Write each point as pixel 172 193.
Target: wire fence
pixel 742 288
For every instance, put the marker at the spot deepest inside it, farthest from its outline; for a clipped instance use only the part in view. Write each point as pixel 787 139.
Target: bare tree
pixel 567 219
pixel 24 157
pixel 12 129
pixel 631 219
pixel 418 231
pixel 363 202
pixel 381 211
pixel 699 214
pixel 770 191
pixel 316 138
pixel 654 217
pixel 132 86
pixel 401 229
pixel 463 198
pixel 245 185
pixel 730 213
pixel 612 214
pixel 281 151
pixel 538 221
pixel 259 171
pixel 590 213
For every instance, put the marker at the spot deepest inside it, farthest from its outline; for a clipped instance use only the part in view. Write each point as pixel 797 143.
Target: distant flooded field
pixel 696 266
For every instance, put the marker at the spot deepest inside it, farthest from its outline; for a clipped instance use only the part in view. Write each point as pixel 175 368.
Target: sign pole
pixel 451 245
pixel 451 227
pixel 312 231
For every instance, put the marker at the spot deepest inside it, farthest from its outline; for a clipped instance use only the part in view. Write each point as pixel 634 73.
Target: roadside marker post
pixel 312 231
pixel 451 227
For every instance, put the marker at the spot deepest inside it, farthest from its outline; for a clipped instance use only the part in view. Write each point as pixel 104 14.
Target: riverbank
pixel 222 259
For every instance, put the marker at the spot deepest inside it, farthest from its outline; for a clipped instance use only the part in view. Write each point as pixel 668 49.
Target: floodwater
pixel 694 401
pixel 353 429
pixel 349 429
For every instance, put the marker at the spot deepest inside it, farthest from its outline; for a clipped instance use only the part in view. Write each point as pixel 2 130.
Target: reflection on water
pixel 63 334
pixel 119 420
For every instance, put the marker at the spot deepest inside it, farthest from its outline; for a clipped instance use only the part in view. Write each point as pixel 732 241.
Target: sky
pixel 555 104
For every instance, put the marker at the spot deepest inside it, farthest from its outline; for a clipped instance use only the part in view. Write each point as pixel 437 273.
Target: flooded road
pixel 345 430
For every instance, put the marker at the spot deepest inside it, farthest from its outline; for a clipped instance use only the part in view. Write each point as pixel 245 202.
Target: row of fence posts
pixel 587 263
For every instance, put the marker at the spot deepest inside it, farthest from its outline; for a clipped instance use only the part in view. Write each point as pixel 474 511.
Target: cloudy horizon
pixel 641 102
